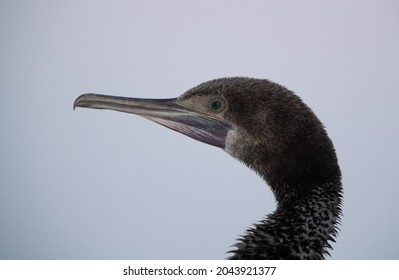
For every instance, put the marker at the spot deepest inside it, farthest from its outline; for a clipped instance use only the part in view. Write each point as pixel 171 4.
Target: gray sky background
pixel 106 185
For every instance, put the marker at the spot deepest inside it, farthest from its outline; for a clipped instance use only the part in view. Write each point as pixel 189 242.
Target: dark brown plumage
pixel 268 128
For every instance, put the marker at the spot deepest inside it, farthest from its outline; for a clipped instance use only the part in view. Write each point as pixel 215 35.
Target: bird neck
pixel 300 228
pixel 302 170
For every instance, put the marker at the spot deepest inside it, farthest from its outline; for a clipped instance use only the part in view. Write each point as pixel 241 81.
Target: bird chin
pixel 204 130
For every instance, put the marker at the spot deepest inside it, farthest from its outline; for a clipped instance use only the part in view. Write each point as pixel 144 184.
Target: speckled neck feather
pixel 301 229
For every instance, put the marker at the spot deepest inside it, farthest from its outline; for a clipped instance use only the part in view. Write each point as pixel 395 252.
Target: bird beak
pixel 165 112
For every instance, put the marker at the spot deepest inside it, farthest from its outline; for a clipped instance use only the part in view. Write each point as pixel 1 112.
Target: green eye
pixel 216 105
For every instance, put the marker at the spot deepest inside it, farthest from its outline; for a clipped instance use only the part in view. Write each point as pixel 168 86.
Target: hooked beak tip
pixel 79 102
pixel 76 102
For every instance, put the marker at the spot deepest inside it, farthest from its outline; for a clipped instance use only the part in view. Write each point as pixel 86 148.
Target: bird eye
pixel 216 105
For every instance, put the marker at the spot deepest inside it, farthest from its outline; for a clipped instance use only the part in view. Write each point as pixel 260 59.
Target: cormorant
pixel 268 128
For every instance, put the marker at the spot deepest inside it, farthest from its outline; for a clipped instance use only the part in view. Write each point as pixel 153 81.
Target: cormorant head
pixel 259 122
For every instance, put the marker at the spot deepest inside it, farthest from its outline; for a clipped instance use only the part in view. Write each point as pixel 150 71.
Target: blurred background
pixel 90 184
